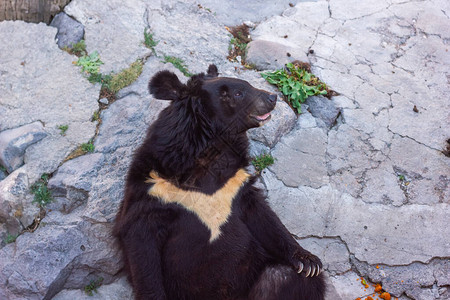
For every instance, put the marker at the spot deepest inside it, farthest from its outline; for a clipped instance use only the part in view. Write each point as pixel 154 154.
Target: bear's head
pixel 204 126
pixel 223 103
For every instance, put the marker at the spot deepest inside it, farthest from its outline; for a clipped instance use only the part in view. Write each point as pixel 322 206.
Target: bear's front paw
pixel 307 262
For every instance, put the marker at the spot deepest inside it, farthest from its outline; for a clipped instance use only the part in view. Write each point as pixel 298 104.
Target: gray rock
pixel 347 286
pixel 118 290
pixel 324 109
pixel 29 274
pixel 14 142
pixel 302 211
pixel 236 12
pixel 72 182
pixel 69 31
pixel 283 119
pixel 266 55
pixel 206 43
pixel 341 9
pixel 17 211
pixel 308 146
pixel 3 174
pixel 103 101
pixel 332 252
pixel 409 279
pixel 257 148
pixel 39 76
pixel 296 28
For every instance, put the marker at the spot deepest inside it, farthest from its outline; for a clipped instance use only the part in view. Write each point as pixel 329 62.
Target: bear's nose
pixel 272 98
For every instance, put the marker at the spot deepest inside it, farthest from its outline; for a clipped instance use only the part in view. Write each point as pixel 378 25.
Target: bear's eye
pixel 238 94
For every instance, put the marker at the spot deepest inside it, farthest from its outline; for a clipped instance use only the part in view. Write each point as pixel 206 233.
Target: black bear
pixel 191 224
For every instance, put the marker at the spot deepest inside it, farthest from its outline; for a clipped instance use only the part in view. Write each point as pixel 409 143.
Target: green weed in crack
pixel 90 64
pixel 92 286
pixel 42 196
pixel 262 161
pixel 78 49
pixel 88 147
pixel 149 41
pixel 10 238
pixel 63 129
pixel 177 63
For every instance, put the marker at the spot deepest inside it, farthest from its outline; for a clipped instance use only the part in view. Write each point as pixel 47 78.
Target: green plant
pixel 401 177
pixel 95 116
pixel 296 84
pixel 149 40
pixel 178 63
pixel 90 63
pixel 78 49
pixel 2 168
pixel 42 195
pixel 234 42
pixel 125 77
pixel 104 80
pixel 88 147
pixel 63 129
pixel 10 238
pixel 262 161
pixel 92 286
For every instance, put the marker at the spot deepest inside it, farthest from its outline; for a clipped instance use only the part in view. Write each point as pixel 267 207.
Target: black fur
pixel 198 143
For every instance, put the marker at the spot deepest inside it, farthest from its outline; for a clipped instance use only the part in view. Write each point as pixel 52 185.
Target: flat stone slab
pixel 324 212
pixel 300 158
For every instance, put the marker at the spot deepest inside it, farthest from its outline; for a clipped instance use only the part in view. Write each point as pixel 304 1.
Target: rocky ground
pixel 361 180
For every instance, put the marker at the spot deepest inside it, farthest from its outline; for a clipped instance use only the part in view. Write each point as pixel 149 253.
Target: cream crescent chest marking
pixel 213 210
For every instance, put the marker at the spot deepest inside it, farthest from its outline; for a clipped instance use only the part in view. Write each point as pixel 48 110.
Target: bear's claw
pixel 300 268
pixel 308 263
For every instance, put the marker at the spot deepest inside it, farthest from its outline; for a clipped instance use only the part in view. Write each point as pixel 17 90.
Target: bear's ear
pixel 165 85
pixel 212 71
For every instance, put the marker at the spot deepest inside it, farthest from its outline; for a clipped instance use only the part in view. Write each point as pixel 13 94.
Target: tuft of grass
pixel 296 84
pixel 42 195
pixel 177 63
pixel 10 238
pixel 90 63
pixel 125 77
pixel 93 286
pixel 262 161
pixel 88 147
pixel 63 129
pixel 78 49
pixel 149 40
pixel 2 169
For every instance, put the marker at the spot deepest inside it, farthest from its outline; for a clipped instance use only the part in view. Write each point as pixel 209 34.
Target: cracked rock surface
pixel 359 179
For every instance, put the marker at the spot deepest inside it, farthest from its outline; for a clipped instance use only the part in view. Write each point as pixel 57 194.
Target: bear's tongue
pixel 263 117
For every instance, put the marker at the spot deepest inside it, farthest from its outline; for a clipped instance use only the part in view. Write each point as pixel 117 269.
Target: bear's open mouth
pixel 262 119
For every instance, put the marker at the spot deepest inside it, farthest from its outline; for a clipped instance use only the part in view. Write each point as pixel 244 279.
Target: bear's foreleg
pixel 142 252
pixel 267 228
